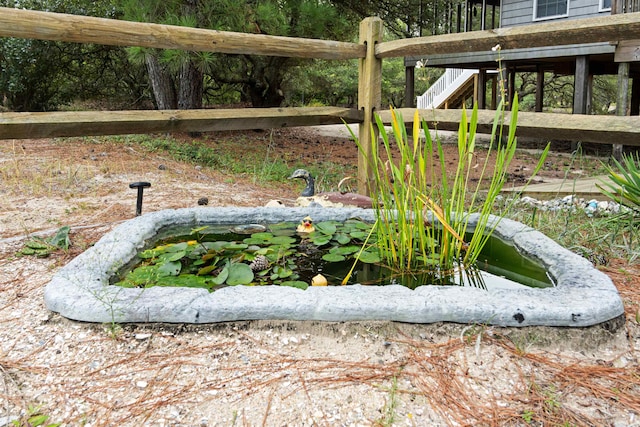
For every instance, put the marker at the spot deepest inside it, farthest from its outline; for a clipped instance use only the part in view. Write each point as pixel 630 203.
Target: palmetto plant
pixel 625 178
pixel 424 216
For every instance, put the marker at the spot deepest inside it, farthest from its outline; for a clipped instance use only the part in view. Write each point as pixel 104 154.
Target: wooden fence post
pixel 369 97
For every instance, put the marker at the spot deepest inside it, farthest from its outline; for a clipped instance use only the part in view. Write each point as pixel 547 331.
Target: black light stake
pixel 140 186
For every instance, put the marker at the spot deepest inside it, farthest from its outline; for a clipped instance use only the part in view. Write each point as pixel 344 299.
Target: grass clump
pixel 234 154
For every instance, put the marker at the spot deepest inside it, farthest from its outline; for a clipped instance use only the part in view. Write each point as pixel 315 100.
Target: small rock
pixel 142 336
pixel 162 167
pixel 275 204
pixel 142 384
pixel 203 201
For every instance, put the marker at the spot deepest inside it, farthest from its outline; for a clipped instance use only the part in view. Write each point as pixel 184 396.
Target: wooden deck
pixel 555 188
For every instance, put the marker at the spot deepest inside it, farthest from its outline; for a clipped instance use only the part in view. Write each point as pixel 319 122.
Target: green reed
pixel 425 210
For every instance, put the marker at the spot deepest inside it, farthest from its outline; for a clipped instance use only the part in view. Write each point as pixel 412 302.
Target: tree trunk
pixel 262 97
pixel 264 86
pixel 162 84
pixel 191 87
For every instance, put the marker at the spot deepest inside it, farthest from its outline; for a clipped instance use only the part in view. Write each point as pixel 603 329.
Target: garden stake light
pixel 140 186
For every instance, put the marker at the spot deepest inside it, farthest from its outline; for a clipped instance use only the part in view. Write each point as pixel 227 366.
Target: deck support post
pixel 482 88
pixel 409 88
pixel 581 85
pixel 634 108
pixel 580 90
pixel 539 89
pixel 621 102
pixel 369 98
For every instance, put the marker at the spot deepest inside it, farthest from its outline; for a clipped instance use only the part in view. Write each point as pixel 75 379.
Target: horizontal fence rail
pixel 610 28
pixel 546 126
pixel 84 123
pixel 553 126
pixel 32 24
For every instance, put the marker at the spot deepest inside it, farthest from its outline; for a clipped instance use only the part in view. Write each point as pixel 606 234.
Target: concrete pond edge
pixel 583 296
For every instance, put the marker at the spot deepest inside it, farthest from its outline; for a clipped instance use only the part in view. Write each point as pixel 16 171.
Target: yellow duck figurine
pixel 306 226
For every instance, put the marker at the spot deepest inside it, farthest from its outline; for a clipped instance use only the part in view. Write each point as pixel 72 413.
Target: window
pixel 605 5
pixel 552 8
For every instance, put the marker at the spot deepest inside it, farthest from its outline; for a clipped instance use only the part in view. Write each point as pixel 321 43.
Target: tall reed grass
pixel 425 210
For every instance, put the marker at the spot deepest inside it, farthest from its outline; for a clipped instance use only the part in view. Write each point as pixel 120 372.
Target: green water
pixel 498 258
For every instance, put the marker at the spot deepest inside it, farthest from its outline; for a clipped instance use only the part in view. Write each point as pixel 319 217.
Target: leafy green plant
pixel 389 412
pixel 42 248
pixel 424 214
pixel 528 416
pixel 269 257
pixel 625 182
pixel 34 418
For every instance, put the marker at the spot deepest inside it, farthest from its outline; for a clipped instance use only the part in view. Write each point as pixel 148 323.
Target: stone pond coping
pixel 583 296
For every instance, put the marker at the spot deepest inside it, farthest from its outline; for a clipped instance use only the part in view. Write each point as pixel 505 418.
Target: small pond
pixel 83 290
pixel 183 256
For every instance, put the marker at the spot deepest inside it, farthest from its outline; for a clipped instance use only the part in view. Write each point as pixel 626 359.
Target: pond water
pixel 501 265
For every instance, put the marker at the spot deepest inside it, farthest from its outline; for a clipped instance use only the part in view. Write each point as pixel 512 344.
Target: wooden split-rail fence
pixel 369 51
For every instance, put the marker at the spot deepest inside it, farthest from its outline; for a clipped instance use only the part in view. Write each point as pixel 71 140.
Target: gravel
pixel 275 373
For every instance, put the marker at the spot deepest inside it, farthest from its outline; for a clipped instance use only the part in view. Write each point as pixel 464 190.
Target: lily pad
pixel 282 240
pixel 369 257
pixel 344 250
pixel 333 257
pixel 295 284
pixel 239 274
pixel 320 240
pixel 184 280
pixel 360 235
pixel 141 276
pixel 174 256
pixel 216 246
pixel 222 277
pixel 264 235
pixel 341 238
pixel 171 268
pixel 326 227
pixel 177 247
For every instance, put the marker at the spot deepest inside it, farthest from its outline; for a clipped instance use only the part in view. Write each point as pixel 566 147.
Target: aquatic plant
pixel 424 213
pixel 276 256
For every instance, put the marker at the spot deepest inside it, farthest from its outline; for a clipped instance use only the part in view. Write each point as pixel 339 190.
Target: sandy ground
pixel 258 372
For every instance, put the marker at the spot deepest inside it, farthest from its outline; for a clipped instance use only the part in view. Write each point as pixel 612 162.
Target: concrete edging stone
pixel 80 290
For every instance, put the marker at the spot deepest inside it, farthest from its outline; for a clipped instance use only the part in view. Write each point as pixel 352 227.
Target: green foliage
pixel 404 19
pixel 39 75
pixel 34 418
pixel 596 238
pixel 260 80
pixel 262 258
pixel 42 248
pixel 322 82
pixel 625 178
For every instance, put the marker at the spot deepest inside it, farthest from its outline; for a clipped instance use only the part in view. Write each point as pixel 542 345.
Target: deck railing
pixel 448 83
